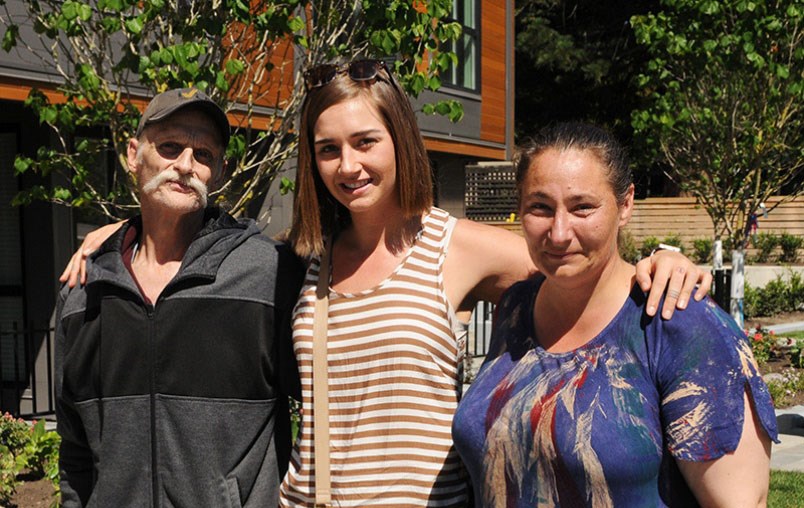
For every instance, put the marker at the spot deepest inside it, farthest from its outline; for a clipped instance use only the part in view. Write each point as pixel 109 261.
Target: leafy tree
pixel 575 61
pixel 247 54
pixel 724 92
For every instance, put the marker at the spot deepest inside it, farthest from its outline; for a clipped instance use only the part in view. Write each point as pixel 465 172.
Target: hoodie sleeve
pixel 290 275
pixel 76 470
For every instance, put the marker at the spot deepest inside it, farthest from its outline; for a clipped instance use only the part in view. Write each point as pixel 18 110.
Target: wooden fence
pixel 662 217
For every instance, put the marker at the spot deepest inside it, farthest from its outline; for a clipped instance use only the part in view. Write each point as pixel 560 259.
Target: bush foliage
pixel 25 447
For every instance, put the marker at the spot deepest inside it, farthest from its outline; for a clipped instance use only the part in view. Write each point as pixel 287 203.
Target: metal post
pixel 717 255
pixel 737 286
pixel 2 374
pixel 48 337
pixel 30 362
pixel 16 347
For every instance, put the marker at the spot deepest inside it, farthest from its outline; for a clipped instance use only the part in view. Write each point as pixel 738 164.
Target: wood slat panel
pixel 494 34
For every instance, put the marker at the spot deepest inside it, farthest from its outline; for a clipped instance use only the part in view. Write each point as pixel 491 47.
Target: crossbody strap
pixel 323 495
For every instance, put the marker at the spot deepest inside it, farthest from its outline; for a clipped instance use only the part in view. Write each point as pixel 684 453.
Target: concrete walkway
pixel 786 327
pixel 789 454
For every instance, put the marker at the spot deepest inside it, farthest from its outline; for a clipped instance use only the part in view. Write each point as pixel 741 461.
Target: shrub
pixel 42 451
pixel 9 469
pixel 768 301
pixel 702 250
pixel 13 432
pixel 796 290
pixel 762 345
pixel 790 245
pixel 649 244
pixel 751 301
pixel 675 240
pixel 779 295
pixel 765 243
pixel 26 447
pixel 627 247
pixel 797 354
pixel 791 383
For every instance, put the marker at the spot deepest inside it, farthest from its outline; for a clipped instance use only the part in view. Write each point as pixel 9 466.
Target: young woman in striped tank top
pixel 404 277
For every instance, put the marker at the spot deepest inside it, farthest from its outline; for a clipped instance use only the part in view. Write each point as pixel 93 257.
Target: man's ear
pixel 131 155
pixel 218 176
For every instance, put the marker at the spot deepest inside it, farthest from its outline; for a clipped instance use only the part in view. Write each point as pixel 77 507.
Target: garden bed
pixel 783 363
pixel 33 492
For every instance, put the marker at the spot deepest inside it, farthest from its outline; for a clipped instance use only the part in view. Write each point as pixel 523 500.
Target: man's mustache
pixel 171 175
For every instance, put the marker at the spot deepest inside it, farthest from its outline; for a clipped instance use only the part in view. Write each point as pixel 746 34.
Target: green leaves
pixel 10 36
pixel 286 186
pixel 73 11
pixel 723 101
pixel 452 109
pixel 116 53
pixel 134 25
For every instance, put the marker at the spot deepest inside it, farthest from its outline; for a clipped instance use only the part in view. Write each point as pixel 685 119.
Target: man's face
pixel 175 160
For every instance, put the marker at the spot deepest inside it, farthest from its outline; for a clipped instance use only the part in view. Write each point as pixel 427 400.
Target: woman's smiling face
pixel 355 156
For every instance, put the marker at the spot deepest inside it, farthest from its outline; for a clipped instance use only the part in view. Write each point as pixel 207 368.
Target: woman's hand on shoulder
pixel 76 269
pixel 677 274
pixel 482 262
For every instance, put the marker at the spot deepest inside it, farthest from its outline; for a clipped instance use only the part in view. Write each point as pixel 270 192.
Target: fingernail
pixel 666 314
pixel 682 304
pixel 651 310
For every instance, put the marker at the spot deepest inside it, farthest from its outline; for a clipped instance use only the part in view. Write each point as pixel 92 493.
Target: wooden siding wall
pixel 661 217
pixel 493 39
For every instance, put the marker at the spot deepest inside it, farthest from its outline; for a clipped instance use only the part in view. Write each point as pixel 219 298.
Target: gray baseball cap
pixel 167 103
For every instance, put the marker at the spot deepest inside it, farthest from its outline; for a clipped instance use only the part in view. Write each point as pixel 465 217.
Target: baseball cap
pixel 167 103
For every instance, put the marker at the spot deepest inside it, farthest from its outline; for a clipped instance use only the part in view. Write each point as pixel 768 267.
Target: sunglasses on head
pixel 359 70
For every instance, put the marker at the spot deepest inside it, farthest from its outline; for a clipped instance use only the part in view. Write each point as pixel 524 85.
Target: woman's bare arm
pixel 738 479
pixel 483 261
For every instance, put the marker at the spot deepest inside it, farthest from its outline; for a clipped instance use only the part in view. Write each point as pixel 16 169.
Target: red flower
pixel 757 336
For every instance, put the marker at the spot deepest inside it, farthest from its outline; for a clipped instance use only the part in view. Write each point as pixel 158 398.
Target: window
pixel 11 293
pixel 465 74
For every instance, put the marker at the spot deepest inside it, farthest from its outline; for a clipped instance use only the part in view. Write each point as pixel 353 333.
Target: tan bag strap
pixel 323 495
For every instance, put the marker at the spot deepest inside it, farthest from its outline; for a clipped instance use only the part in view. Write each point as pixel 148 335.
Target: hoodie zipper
pixel 150 310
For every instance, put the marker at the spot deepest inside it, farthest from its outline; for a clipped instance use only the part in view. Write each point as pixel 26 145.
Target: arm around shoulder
pixel 482 262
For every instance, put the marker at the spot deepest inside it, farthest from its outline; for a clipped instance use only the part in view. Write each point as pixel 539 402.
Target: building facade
pixel 36 240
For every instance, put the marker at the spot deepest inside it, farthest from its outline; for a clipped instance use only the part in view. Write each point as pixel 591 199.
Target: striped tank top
pixel 393 356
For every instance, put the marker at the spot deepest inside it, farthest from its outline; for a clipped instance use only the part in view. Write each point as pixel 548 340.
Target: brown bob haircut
pixel 318 215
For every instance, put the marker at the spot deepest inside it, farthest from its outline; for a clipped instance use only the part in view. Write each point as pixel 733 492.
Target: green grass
pixel 786 490
pixel 798 335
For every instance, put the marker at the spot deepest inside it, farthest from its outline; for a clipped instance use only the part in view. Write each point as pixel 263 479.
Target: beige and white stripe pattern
pixel 393 383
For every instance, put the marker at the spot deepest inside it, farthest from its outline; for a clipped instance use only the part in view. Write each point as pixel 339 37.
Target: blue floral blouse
pixel 602 425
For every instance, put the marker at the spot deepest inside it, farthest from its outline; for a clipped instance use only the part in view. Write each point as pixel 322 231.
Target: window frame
pixel 455 76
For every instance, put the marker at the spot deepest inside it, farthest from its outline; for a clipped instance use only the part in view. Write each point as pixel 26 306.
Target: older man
pixel 171 356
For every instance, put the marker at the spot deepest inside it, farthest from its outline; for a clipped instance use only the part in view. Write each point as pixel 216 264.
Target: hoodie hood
pixel 219 236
